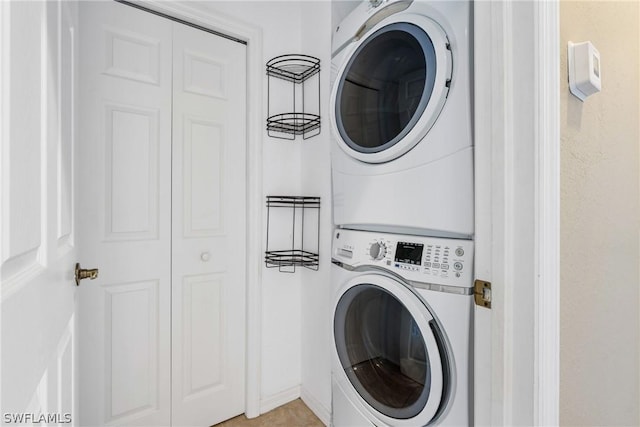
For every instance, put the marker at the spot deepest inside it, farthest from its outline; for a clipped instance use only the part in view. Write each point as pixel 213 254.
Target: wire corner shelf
pixel 293 123
pixel 286 260
pixel 293 68
pixel 296 69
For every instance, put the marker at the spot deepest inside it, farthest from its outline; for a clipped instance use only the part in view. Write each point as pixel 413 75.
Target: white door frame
pixel 547 278
pixel 253 37
pixel 508 34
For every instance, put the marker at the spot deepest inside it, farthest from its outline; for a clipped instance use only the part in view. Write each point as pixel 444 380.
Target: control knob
pixel 378 250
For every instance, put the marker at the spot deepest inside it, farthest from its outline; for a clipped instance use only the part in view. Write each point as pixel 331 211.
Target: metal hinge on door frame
pixel 482 293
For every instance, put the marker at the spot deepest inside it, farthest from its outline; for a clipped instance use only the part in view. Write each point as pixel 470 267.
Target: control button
pixel 377 250
pixel 427 264
pixel 444 266
pixel 435 265
pixel 457 266
pixel 459 252
pixel 205 256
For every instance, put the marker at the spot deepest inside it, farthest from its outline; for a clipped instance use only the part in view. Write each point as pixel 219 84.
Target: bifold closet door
pixel 209 241
pixel 162 215
pixel 124 215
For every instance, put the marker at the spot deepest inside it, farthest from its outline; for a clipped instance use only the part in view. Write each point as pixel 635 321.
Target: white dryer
pixel 401 118
pixel 402 330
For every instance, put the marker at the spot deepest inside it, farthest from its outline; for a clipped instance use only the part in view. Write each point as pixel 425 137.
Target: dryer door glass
pixel 385 87
pixel 383 351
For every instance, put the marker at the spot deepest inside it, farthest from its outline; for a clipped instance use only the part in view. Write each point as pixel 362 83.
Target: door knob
pixel 83 273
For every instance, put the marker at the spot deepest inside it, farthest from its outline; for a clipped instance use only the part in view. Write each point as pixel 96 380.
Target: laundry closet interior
pixel 156 167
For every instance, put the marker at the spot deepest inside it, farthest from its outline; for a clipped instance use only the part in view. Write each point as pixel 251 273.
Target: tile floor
pixel 293 414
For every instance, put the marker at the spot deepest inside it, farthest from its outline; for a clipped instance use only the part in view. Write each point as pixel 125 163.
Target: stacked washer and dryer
pixel 402 170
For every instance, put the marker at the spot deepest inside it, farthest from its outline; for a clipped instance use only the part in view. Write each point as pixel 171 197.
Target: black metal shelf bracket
pixel 286 260
pixel 296 69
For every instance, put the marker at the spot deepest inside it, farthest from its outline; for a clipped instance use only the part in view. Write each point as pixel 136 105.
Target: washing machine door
pixel 392 351
pixel 391 88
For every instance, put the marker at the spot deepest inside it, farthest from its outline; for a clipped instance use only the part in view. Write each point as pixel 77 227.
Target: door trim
pixel 253 37
pixel 547 205
pixel 521 175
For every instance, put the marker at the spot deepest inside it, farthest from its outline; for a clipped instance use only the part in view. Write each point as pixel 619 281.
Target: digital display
pixel 409 253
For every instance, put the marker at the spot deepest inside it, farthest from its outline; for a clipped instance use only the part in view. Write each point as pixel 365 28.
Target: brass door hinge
pixel 482 293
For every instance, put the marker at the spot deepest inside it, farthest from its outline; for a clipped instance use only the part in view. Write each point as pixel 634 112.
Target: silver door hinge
pixel 482 293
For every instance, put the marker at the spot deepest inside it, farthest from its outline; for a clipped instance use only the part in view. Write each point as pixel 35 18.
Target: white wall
pixel 316 181
pixel 600 214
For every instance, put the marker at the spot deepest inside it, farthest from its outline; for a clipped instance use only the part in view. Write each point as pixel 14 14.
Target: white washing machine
pixel 401 118
pixel 402 330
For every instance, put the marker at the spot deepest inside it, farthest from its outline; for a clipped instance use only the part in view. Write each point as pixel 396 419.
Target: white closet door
pixel 162 330
pixel 209 227
pixel 125 215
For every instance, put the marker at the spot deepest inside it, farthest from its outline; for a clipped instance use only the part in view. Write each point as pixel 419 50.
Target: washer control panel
pixel 417 258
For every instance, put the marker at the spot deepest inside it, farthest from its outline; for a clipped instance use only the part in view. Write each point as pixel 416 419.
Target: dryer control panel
pixel 416 258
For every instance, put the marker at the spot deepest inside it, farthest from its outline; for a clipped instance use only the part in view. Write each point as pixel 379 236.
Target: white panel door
pixel 38 238
pixel 125 215
pixel 209 241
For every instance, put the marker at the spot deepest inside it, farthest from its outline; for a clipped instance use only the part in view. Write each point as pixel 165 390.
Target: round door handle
pixel 205 256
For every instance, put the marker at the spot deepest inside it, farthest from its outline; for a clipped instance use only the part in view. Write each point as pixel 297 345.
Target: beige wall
pixel 600 214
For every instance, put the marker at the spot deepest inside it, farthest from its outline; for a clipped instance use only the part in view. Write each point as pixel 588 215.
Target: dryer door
pixel 391 88
pixel 392 351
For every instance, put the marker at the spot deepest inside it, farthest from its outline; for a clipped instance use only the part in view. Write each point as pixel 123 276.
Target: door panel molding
pixel 131 208
pixel 146 57
pixel 132 389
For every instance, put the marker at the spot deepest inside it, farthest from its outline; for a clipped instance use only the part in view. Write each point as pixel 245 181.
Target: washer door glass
pixel 385 87
pixel 384 353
